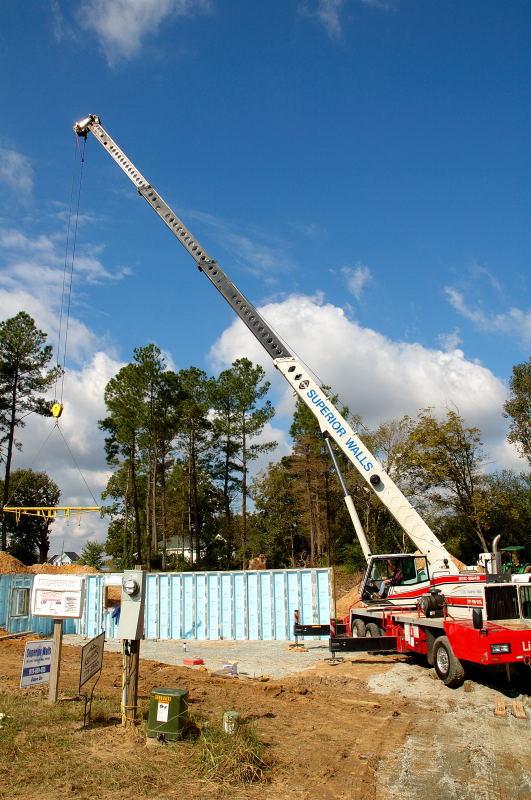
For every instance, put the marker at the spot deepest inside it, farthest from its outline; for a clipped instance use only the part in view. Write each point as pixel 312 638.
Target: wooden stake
pixel 55 666
pixel 130 681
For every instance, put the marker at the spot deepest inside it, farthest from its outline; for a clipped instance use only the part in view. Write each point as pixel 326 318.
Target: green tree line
pixel 183 493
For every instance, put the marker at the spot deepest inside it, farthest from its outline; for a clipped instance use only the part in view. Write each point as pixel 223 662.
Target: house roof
pixel 70 553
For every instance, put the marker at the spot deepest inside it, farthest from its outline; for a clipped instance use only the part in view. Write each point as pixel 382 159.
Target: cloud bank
pixel 374 376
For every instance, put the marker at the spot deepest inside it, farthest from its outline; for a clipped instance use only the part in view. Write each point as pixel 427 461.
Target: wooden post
pixel 56 660
pixel 130 681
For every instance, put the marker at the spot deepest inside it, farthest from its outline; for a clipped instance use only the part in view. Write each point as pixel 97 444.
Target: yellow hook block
pixel 57 410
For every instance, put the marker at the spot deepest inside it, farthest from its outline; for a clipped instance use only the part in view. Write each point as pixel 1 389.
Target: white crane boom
pixel 331 423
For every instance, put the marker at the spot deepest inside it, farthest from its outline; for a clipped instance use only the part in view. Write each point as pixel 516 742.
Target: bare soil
pixel 374 727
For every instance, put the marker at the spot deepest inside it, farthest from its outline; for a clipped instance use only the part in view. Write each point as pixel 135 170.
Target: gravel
pixel 253 658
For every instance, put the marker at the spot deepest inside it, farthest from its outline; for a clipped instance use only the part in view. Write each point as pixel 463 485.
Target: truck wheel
pixel 358 628
pixel 448 668
pixel 373 630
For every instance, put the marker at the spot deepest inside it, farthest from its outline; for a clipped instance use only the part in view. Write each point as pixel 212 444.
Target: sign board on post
pixel 58 596
pixel 36 664
pixel 91 659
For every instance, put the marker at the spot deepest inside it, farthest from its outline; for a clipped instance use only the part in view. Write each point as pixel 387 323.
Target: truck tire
pixel 448 668
pixel 372 629
pixel 358 628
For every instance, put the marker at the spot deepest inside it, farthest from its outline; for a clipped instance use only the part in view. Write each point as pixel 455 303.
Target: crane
pixel 332 424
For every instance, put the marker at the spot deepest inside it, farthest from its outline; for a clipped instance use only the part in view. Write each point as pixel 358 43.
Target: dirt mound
pixel 346 590
pixel 11 565
pixel 69 569
pixel 350 598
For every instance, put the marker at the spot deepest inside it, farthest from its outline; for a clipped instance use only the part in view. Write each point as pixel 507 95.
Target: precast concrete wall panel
pixel 12 589
pixel 217 605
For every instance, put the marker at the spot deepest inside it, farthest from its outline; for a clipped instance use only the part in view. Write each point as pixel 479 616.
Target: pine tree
pixel 24 376
pixel 240 417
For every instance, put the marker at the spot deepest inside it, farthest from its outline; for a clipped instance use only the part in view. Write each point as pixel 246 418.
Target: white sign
pixel 162 712
pixel 91 659
pixel 37 662
pixel 58 596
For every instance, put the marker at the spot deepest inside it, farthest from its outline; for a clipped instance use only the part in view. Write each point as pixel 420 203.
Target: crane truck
pixel 414 603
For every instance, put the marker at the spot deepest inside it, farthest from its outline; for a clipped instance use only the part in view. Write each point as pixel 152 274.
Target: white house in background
pixel 180 546
pixel 68 557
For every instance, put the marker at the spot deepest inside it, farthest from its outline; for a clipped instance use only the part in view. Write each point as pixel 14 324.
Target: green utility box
pixel 167 716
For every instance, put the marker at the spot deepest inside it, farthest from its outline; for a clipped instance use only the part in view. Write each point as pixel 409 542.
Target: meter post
pixel 55 666
pixel 130 631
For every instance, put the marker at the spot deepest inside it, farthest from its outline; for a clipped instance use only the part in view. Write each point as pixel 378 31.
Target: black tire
pixel 448 668
pixel 373 630
pixel 357 628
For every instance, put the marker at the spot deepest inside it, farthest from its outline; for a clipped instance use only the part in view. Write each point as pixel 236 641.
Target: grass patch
pixel 232 758
pixel 45 752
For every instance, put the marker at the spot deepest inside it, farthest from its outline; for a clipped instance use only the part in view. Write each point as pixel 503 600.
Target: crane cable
pixel 68 274
pixel 66 299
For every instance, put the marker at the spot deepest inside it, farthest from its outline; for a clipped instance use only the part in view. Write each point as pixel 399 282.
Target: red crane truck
pixel 418 602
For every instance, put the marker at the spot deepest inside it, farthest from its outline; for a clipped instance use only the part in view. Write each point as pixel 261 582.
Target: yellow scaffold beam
pixel 49 512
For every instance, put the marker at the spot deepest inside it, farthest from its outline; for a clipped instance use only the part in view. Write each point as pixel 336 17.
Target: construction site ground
pixel 373 727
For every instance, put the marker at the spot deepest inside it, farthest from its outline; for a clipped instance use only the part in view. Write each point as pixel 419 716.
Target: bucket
pixel 231 720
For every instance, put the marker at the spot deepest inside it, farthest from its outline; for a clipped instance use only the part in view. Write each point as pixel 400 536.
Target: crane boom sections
pixel 330 420
pixel 243 308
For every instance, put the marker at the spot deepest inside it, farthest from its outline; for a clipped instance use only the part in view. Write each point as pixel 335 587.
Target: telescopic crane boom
pixel 331 423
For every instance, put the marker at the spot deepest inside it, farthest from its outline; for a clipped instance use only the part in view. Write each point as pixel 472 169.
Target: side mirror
pixel 477 618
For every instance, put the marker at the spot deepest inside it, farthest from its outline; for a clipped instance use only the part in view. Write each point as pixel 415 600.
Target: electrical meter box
pixel 133 597
pixel 168 709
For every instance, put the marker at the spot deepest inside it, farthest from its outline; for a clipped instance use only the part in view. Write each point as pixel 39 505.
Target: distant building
pixel 180 546
pixel 68 557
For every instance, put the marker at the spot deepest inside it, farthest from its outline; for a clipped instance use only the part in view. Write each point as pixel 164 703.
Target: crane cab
pixel 395 578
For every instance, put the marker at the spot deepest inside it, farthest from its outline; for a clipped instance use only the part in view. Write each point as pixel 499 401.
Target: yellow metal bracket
pixel 49 512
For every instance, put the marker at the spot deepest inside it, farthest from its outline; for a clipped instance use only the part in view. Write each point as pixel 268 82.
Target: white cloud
pixel 374 376
pixel 326 12
pixel 38 261
pixel 252 251
pixel 357 278
pixel 515 322
pixel 449 341
pixel 77 455
pixel 71 452
pixel 329 12
pixel 16 173
pixel 121 25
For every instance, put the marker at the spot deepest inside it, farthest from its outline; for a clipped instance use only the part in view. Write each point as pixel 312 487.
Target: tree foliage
pixel 24 377
pixel 29 536
pixel 240 415
pixel 518 409
pixel 92 554
pixel 442 461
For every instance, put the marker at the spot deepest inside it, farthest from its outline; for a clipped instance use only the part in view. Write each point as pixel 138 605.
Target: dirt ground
pixel 374 727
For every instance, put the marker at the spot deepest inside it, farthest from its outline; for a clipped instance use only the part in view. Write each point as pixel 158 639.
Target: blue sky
pixel 360 168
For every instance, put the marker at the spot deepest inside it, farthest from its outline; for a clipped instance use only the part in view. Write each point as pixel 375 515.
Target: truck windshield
pixel 401 571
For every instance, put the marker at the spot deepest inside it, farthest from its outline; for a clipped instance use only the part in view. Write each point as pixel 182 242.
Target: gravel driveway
pixel 253 658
